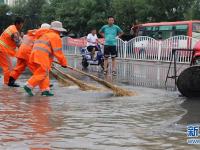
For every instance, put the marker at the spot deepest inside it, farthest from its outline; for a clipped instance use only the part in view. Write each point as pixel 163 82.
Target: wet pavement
pixel 155 119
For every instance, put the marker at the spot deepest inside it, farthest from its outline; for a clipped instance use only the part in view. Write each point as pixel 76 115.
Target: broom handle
pixel 119 91
pixel 105 83
pixel 60 64
pixel 69 67
pixel 81 84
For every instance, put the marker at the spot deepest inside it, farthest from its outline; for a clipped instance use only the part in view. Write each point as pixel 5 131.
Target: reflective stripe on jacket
pixel 9 40
pixel 46 47
pixel 26 46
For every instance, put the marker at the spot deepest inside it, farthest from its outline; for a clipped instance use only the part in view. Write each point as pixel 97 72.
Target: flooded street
pixel 155 119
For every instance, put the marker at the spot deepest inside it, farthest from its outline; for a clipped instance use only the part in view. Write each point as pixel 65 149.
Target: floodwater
pixel 155 119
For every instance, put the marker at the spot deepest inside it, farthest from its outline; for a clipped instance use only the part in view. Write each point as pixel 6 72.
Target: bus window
pixel 150 31
pixel 165 28
pixel 147 31
pixel 141 31
pixel 165 32
pixel 148 28
pixel 155 32
pixel 155 28
pixel 181 30
pixel 196 30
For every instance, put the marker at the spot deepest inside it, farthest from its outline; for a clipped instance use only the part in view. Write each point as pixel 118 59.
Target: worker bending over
pixel 10 39
pixel 24 52
pixel 45 48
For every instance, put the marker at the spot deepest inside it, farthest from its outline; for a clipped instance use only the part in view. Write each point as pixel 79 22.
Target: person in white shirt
pixel 92 41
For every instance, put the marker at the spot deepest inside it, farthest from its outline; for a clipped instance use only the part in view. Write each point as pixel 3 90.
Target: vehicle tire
pixel 84 63
pixel 188 82
pixel 101 63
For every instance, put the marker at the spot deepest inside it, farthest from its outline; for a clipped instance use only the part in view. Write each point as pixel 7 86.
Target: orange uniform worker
pixel 24 52
pixel 45 48
pixel 10 39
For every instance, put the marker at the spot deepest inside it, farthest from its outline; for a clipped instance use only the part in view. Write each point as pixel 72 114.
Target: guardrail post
pixel 75 50
pixel 159 50
pixel 125 48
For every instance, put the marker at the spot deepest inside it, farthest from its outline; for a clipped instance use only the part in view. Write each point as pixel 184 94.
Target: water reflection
pixel 192 114
pixel 93 120
pixel 40 120
pixel 136 73
pixel 24 119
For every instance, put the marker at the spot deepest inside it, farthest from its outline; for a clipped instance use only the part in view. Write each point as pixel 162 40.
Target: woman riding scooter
pixel 92 41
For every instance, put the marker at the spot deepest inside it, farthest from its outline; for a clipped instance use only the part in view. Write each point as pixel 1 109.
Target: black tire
pixel 101 63
pixel 188 82
pixel 85 64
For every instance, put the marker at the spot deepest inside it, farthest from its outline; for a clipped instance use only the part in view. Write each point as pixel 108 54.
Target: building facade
pixel 10 2
pixel 14 2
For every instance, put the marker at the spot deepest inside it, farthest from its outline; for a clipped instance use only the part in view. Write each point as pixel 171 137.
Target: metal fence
pixel 177 42
pixel 145 48
pixel 142 48
pixel 70 49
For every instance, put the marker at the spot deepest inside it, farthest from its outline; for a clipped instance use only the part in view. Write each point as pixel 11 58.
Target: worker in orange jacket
pixel 45 48
pixel 24 52
pixel 10 39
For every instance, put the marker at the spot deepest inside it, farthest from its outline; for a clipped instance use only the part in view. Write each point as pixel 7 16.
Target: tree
pixel 5 19
pixel 194 11
pixel 1 1
pixel 78 16
pixel 170 10
pixel 129 12
pixel 34 11
pixel 31 10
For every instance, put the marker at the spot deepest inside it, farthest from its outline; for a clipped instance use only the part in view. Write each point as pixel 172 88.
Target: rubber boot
pixel 47 93
pixel 28 90
pixel 12 83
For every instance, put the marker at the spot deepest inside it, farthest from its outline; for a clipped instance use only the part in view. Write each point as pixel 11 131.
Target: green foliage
pixel 31 10
pixel 170 10
pixel 129 12
pixel 194 11
pixel 79 16
pixel 5 19
pixel 1 1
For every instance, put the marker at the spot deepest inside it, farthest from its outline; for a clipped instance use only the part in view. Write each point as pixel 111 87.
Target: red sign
pixel 81 42
pixel 76 42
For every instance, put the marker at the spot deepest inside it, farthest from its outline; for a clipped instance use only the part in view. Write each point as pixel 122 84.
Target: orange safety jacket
pixel 10 39
pixel 45 48
pixel 26 46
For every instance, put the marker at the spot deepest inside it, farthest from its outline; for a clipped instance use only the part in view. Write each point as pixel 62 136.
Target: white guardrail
pixel 146 48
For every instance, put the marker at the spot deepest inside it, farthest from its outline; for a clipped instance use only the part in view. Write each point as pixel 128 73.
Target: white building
pixel 9 2
pixel 12 2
